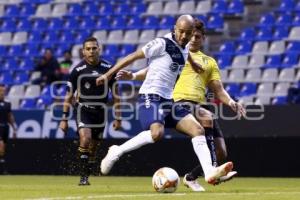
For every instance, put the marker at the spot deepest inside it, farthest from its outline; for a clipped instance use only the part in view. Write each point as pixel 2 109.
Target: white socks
pixel 136 142
pixel 202 151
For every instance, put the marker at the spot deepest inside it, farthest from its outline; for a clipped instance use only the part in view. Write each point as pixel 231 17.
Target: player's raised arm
pixel 138 54
pixel 128 75
pixel 217 87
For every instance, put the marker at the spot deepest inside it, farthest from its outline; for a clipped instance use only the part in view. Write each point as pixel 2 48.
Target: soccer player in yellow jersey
pixel 190 91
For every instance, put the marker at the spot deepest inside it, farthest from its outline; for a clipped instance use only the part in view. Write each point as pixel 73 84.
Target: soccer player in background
pixel 6 119
pixel 167 56
pixel 90 105
pixel 190 91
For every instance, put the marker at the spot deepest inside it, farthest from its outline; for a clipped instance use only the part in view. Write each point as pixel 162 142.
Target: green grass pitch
pixel 140 188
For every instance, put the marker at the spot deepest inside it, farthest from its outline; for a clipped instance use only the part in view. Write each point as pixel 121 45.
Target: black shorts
pixel 217 132
pixel 91 117
pixel 4 132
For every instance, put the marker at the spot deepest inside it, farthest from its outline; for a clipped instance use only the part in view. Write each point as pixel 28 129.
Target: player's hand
pixel 102 79
pixel 238 108
pixel 117 124
pixel 124 75
pixel 63 125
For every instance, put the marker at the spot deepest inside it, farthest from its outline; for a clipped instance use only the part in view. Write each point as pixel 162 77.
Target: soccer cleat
pixel 84 180
pixel 194 185
pixel 227 177
pixel 218 172
pixel 109 160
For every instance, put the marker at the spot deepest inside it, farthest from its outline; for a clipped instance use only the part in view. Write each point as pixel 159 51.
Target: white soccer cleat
pixel 109 160
pixel 218 172
pixel 227 177
pixel 194 185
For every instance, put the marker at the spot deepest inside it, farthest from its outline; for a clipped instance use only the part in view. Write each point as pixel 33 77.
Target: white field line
pixel 107 196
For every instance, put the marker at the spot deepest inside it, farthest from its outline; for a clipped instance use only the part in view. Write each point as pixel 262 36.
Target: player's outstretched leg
pixel 115 152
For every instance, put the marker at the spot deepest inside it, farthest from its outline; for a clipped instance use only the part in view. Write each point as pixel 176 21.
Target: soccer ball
pixel 165 180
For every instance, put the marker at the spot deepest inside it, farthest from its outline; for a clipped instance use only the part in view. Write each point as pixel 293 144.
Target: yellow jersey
pixel 191 85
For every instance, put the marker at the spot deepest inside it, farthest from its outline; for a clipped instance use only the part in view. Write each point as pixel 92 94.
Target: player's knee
pixel 197 130
pixel 85 142
pixel 157 134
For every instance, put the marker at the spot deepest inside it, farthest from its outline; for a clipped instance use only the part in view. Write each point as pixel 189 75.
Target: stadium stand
pixel 262 59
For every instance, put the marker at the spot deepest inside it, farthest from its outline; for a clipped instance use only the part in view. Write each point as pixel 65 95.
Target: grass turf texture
pixel 140 188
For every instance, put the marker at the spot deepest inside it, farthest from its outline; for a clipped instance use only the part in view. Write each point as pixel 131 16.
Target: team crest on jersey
pixel 95 73
pixel 174 67
pixel 87 85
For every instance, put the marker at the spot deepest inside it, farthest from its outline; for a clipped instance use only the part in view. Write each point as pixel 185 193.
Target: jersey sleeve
pixel 72 82
pixel 154 48
pixel 215 72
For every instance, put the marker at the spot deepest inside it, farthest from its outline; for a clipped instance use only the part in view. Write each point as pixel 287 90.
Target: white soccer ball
pixel 165 180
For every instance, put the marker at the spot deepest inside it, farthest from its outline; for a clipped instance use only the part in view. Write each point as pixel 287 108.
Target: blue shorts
pixel 153 108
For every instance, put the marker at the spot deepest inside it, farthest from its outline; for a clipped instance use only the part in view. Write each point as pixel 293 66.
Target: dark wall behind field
pixel 252 157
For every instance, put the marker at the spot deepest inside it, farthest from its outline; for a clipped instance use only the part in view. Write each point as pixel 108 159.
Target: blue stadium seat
pixel 21 78
pixel 10 63
pixel 71 23
pixel 12 11
pixel 138 8
pixel 248 89
pixel 67 36
pixel 281 100
pixel 44 102
pixel 46 91
pixel 28 104
pixel 24 25
pixel 91 9
pixel 103 23
pixel 273 61
pixel 56 24
pixel 111 50
pixel 51 37
pixel 151 22
pixel 284 19
pixel 8 25
pixel 16 51
pixel 267 20
pixel 219 7
pixel 106 9
pixel 215 22
pixel 59 51
pixel 286 5
pixel 3 51
pixel 227 48
pixel 35 37
pixel 235 7
pixel 297 7
pixel 127 49
pixel 74 10
pixel 289 60
pixel 82 35
pixel 119 22
pixel 6 78
pixel 293 47
pixel 224 61
pixel 135 22
pixel 26 64
pixel 167 22
pixel 39 24
pixel 27 10
pixel 244 47
pixel 296 20
pixel 264 34
pixel 233 89
pixel 87 23
pixel 122 9
pixel 280 32
pixel 32 50
pixel 248 34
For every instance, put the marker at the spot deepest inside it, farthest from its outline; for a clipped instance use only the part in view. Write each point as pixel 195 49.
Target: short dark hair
pixel 199 26
pixel 90 39
pixel 2 85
